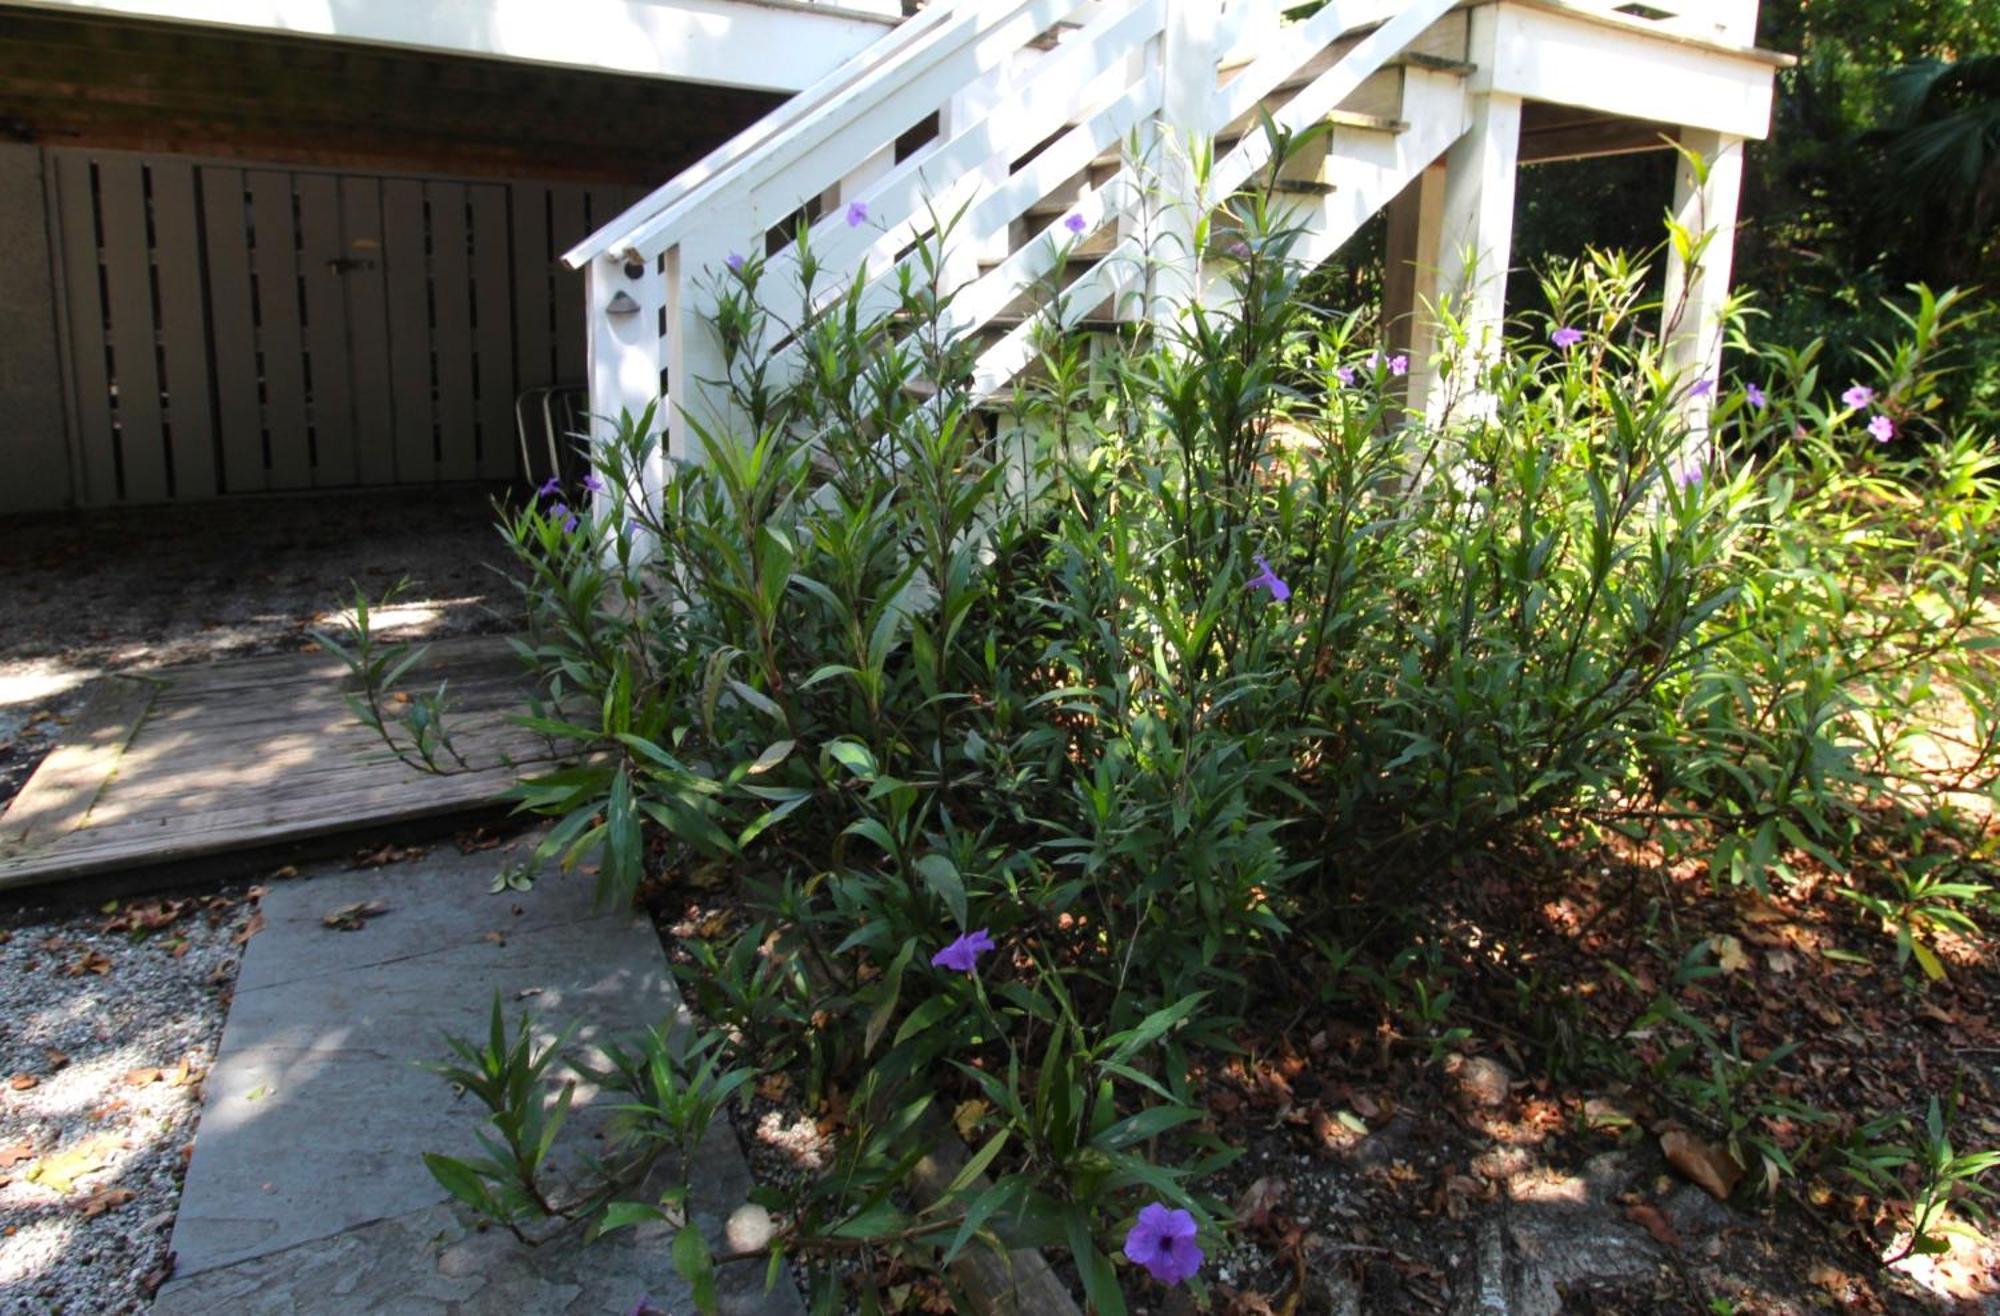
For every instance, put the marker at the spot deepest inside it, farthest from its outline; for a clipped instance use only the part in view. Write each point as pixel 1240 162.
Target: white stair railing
pixel 1083 78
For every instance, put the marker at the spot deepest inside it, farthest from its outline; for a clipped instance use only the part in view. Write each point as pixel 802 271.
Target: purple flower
pixel 1074 224
pixel 735 262
pixel 857 213
pixel 1399 365
pixel 595 485
pixel 561 512
pixel 1566 337
pixel 1686 471
pixel 963 954
pixel 1240 249
pixel 1882 428
pixel 1701 388
pixel 644 1307
pixel 1858 397
pixel 1345 374
pixel 1163 1241
pixel 550 487
pixel 1268 579
pixel 1755 396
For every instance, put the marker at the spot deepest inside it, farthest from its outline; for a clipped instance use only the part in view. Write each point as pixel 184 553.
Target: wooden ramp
pixel 182 763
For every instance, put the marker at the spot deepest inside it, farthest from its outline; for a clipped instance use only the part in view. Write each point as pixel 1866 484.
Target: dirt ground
pixel 83 594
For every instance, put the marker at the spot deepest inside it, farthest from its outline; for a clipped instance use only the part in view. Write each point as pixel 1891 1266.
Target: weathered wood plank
pixel 533 268
pixel 367 307
pixel 499 454
pixel 407 271
pixel 128 287
pixel 240 414
pixel 274 260
pixel 57 799
pixel 329 390
pixel 451 302
pixel 248 755
pixel 183 330
pixel 571 225
pixel 76 204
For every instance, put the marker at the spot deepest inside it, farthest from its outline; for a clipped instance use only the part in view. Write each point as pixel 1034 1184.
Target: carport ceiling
pixel 122 84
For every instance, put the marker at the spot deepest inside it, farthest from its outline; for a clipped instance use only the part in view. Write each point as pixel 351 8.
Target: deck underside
pixel 185 763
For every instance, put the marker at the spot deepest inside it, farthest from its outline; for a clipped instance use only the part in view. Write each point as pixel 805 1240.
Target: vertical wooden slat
pixel 274 258
pixel 331 400
pixel 407 271
pixel 82 291
pixel 239 416
pixel 128 281
pixel 183 329
pixel 368 342
pixel 571 226
pixel 533 348
pixel 494 333
pixel 451 290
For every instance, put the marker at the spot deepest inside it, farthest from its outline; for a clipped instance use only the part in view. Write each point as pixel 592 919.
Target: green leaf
pixel 977 1165
pixel 932 1010
pixel 697 1267
pixel 460 1180
pixel 1927 959
pixel 872 1221
pixel 618 1215
pixel 1153 1027
pixel 891 991
pixel 773 755
pixel 1146 1124
pixel 941 876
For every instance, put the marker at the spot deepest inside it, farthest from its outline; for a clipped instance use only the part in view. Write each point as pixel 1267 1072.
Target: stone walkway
pixel 307 1192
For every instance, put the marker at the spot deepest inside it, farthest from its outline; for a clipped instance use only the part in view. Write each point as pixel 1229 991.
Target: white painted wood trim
pixel 763 45
pixel 1547 52
pixel 658 219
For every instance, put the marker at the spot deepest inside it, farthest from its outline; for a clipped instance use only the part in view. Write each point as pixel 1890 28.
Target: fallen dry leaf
pixel 138 1078
pixel 90 962
pixel 386 855
pixel 1729 954
pixel 250 929
pixel 184 1073
pixel 1262 1197
pixel 349 918
pixel 22 1082
pixel 59 1170
pixel 13 1155
pixel 1702 1163
pixel 105 1199
pixel 55 1058
pixel 1655 1224
pixel 967 1116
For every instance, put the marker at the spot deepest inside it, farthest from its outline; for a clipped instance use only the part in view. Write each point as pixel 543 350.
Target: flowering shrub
pixel 1037 735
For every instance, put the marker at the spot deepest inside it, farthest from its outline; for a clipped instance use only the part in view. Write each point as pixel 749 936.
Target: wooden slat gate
pixel 240 329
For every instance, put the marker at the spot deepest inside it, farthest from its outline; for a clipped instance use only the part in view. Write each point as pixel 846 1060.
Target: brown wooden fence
pixel 233 329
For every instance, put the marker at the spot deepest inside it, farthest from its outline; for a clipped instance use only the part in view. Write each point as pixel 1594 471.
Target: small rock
pixel 1479 1082
pixel 750 1227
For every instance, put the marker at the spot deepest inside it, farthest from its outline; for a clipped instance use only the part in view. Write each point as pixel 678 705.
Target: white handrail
pixel 657 221
pixel 718 162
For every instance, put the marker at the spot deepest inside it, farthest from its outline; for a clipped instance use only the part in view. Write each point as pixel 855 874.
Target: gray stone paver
pixel 307 1192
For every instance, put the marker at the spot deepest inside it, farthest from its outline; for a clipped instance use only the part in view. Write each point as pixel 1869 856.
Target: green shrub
pixel 1195 643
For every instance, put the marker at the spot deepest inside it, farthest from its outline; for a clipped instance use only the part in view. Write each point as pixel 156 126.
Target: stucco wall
pixel 34 460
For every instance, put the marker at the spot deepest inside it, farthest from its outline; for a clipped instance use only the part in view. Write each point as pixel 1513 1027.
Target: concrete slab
pixel 307 1191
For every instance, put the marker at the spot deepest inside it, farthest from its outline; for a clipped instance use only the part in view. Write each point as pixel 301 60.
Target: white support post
pixel 1697 292
pixel 1188 56
pixel 622 303
pixel 1475 243
pixel 1410 278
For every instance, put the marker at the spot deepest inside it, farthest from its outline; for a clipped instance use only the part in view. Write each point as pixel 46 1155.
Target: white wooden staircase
pixel 1058 133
